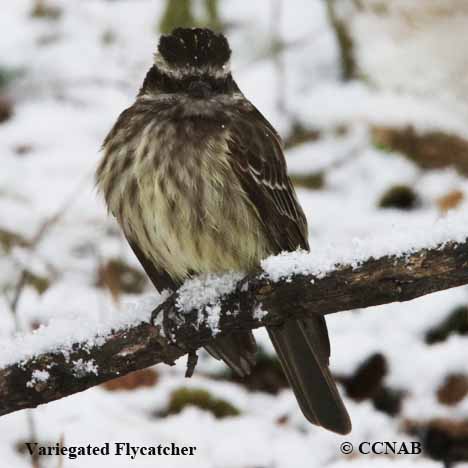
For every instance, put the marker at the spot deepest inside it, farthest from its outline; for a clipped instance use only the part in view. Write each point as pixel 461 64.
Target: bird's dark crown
pixel 195 48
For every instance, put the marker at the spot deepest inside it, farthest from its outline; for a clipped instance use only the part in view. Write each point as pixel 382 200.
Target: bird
pixel 196 177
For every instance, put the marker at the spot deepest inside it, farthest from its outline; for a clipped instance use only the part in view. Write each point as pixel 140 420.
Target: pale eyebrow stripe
pixel 166 69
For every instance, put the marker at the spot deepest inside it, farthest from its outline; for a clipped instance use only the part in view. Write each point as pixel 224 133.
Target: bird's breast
pixel 184 206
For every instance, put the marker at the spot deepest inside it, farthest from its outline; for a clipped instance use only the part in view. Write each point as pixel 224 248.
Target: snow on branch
pixel 54 363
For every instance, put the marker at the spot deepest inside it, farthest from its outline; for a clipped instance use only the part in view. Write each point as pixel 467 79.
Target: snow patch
pixel 63 332
pixel 37 376
pixel 203 293
pixel 204 290
pixel 398 242
pixel 259 313
pixel 81 368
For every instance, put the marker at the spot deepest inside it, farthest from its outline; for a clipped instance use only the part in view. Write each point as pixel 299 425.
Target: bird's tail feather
pixel 237 350
pixel 304 350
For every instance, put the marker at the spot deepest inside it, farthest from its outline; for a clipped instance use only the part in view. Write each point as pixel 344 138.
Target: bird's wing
pixel 158 277
pixel 302 345
pixel 257 159
pixel 236 350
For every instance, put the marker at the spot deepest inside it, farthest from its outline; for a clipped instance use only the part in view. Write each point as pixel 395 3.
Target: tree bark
pixel 375 281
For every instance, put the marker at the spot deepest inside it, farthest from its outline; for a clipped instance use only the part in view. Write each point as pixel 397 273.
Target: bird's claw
pixel 192 360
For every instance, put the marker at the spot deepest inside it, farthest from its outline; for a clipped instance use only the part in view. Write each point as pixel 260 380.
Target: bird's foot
pixel 192 359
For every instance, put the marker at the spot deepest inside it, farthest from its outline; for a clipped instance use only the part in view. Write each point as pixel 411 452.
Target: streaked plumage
pixel 196 178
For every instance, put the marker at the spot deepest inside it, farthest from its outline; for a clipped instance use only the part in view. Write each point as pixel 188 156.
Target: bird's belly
pixel 186 224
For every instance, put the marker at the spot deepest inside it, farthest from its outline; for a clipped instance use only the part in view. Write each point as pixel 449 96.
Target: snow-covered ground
pixel 75 81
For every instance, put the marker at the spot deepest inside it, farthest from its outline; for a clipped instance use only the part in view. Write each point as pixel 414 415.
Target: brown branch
pixel 375 281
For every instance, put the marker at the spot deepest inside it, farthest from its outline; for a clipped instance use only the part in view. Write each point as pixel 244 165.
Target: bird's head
pixel 191 61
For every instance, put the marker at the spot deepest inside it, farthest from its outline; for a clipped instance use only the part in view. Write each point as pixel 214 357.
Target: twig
pixel 345 42
pixel 374 282
pixel 33 438
pixel 18 290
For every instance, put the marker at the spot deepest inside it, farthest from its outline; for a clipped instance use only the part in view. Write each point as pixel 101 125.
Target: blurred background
pixel 370 97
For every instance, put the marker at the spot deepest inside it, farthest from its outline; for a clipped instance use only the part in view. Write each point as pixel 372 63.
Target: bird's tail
pixel 237 350
pixel 304 350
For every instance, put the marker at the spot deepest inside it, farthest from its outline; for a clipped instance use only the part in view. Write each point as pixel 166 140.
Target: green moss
pixel 401 197
pixel 108 37
pixel 315 181
pixel 39 283
pixel 381 146
pixel 212 15
pixel 7 75
pixel 177 14
pixel 200 398
pixel 9 239
pixel 180 14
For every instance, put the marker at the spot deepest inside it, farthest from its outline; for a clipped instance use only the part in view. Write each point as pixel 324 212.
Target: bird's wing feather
pixel 158 277
pixel 302 345
pixel 258 161
pixel 237 350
